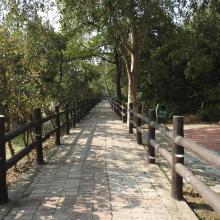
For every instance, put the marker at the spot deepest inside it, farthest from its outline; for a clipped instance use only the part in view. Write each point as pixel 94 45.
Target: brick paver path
pixel 99 173
pixel 208 136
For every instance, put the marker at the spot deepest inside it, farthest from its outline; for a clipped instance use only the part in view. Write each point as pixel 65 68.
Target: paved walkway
pixel 98 173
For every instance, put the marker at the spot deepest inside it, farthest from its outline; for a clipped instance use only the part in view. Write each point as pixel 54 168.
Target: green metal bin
pixel 161 113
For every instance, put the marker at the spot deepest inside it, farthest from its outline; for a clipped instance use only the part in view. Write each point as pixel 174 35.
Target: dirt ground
pixel 199 206
pixel 16 172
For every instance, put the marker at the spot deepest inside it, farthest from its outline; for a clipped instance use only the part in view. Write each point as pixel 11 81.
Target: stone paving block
pixel 45 211
pixel 83 207
pixel 102 206
pixel 105 215
pixel 27 217
pixel 22 212
pixel 81 216
pixel 43 217
pixel 122 213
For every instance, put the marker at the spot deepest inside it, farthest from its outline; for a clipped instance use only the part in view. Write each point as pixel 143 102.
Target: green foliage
pixel 37 67
pixel 18 144
pixel 211 113
pixel 179 62
pixel 183 67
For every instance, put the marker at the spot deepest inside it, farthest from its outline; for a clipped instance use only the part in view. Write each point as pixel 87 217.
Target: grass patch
pixel 17 143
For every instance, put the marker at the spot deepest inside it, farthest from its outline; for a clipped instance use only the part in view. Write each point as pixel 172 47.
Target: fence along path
pixel 176 159
pixel 98 172
pixel 71 116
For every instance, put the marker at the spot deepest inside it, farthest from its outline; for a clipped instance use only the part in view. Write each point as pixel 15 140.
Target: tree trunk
pixel 132 89
pixel 118 73
pixel 106 84
pixel 133 50
pixel 133 69
pixel 132 83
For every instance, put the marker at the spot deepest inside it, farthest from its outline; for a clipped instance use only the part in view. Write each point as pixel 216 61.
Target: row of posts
pixel 177 151
pixel 73 115
pixel 76 112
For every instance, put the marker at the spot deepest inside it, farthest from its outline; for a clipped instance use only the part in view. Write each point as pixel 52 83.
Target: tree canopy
pixel 137 50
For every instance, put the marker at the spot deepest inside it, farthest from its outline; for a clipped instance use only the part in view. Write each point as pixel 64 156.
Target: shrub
pixel 211 113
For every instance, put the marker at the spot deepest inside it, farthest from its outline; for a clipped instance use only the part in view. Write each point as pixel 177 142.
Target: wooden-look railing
pixel 70 115
pixel 176 159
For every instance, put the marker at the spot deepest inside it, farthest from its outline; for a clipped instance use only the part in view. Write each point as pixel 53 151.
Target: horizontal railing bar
pixel 48 134
pixel 18 156
pixel 49 117
pixel 165 153
pixel 210 196
pixel 163 129
pixel 16 132
pixel 143 118
pixel 134 123
pixel 201 151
